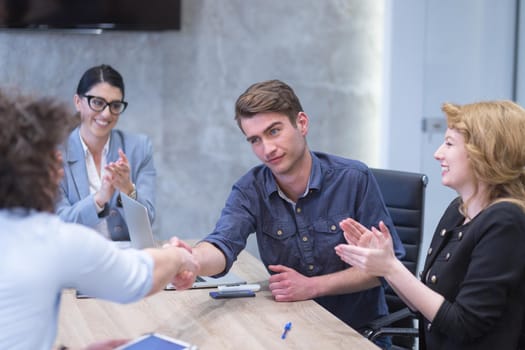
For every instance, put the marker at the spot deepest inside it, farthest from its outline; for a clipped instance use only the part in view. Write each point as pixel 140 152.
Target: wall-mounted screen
pixel 91 14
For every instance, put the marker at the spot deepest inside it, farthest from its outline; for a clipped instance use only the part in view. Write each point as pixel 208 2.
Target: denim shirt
pixel 304 238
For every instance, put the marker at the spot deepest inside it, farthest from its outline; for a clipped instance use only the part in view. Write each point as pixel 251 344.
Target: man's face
pixel 276 142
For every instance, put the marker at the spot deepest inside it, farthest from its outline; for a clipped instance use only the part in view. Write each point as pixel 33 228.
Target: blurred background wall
pixel 182 86
pixel 371 74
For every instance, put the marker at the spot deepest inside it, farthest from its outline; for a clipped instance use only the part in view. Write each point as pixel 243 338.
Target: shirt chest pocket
pixel 328 226
pixel 279 230
pixel 278 244
pixel 328 234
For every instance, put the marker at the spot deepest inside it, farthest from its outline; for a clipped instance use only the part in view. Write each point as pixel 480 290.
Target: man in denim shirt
pixel 294 202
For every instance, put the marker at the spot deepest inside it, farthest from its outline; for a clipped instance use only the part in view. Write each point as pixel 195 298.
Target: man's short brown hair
pixel 268 96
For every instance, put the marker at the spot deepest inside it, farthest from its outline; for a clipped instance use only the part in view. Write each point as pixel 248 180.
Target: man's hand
pixel 188 270
pixel 289 285
pixel 183 280
pixel 175 241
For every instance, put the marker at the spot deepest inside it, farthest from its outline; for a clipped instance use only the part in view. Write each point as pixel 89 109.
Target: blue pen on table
pixel 287 327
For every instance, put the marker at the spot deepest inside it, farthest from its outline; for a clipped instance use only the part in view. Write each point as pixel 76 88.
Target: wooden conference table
pixel 193 316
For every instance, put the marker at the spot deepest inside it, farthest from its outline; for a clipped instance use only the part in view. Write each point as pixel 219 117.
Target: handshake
pixel 186 265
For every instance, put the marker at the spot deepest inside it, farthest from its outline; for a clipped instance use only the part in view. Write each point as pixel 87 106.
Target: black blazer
pixel 479 268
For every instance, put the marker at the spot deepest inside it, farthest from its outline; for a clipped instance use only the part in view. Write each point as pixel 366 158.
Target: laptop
pixel 141 235
pixel 139 226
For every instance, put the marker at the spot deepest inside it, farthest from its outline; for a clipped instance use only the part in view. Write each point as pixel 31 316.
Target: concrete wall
pixel 182 85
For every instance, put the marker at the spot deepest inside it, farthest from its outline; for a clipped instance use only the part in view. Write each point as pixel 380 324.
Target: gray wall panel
pixel 182 85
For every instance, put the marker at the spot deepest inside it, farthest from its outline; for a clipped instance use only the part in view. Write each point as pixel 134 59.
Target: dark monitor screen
pixel 91 14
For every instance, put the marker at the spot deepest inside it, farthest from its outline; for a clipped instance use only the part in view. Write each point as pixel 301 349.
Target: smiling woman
pixel 472 291
pixel 100 162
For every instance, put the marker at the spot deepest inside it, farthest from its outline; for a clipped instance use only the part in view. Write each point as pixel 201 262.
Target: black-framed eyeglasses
pixel 98 104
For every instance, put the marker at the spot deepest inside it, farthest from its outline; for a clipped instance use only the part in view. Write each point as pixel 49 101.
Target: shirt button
pixel 279 232
pixel 333 227
pixel 305 239
pixel 429 327
pixel 430 251
pixel 433 279
pixel 447 256
pixel 310 267
pixel 118 228
pixel 460 235
pixel 443 231
pixel 298 210
pixel 112 213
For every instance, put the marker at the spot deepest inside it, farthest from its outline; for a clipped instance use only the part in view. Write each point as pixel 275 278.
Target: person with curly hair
pixel 40 254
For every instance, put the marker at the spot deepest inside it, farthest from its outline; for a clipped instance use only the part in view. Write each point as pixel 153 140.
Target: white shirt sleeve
pixel 98 268
pixel 41 255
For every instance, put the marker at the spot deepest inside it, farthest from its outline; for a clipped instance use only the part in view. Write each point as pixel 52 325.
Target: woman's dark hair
pixel 100 74
pixel 31 129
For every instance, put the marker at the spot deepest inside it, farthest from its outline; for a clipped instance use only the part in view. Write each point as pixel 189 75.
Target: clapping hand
pixel 369 250
pixel 119 173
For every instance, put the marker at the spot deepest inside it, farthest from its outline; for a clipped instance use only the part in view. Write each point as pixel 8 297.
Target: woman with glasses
pixel 101 162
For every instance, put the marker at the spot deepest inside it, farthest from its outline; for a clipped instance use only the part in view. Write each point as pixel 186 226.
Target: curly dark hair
pixel 31 129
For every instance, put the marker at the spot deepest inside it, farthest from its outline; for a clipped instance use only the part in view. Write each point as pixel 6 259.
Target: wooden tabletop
pixel 193 316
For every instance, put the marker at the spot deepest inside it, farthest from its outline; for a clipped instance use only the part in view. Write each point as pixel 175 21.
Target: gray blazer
pixel 76 204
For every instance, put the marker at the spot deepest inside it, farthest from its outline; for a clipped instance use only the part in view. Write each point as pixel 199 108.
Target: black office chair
pixel 404 195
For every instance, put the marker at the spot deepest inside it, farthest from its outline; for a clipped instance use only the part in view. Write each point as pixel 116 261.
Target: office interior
pixel 371 75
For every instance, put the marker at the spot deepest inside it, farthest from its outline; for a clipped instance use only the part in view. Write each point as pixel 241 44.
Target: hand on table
pixel 289 285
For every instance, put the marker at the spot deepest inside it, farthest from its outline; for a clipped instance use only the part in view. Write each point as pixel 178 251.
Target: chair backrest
pixel 404 196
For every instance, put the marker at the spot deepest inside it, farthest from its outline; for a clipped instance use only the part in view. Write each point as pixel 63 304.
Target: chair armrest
pixel 406 332
pixel 379 326
pixel 391 318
